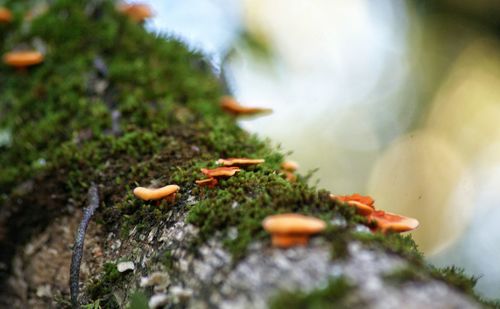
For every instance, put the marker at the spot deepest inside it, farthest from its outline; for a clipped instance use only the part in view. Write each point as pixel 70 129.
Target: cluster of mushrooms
pixel 24 58
pixel 289 229
pixel 286 230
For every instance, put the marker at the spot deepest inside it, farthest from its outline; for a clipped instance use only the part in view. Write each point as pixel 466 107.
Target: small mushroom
pixel 386 221
pixel 209 182
pixel 361 208
pixel 289 166
pixel 230 106
pixel 147 194
pixel 22 59
pixel 5 15
pixel 220 171
pixel 290 229
pixel 367 200
pixel 239 161
pixel 138 12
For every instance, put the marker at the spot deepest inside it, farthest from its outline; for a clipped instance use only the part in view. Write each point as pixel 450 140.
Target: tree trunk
pixel 119 107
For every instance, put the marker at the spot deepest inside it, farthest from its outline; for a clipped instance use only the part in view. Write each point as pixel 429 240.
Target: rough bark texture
pixel 120 107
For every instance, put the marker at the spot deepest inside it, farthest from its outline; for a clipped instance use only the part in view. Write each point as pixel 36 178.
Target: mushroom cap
pixel 137 11
pixel 361 208
pixel 290 166
pixel 148 194
pixel 387 221
pixel 231 106
pixel 22 59
pixel 293 224
pixel 367 200
pixel 208 182
pixel 240 161
pixel 5 15
pixel 220 171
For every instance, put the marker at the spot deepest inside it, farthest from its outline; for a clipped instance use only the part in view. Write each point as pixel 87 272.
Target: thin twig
pixel 76 258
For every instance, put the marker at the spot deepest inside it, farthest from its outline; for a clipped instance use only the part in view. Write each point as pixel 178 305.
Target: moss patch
pixel 334 295
pixel 452 275
pixel 102 289
pixel 121 107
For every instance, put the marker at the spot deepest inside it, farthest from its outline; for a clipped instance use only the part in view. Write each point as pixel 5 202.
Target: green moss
pixel 452 275
pixel 457 277
pixel 405 274
pixel 403 245
pixel 171 126
pixel 102 289
pixel 334 295
pixel 138 300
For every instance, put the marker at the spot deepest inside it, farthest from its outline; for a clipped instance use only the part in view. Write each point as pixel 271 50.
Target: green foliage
pixel 332 296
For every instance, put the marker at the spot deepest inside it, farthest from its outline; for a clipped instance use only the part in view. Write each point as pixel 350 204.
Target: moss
pixel 170 127
pixel 452 276
pixel 405 274
pixel 334 295
pixel 403 245
pixel 101 290
pixel 168 260
pixel 138 300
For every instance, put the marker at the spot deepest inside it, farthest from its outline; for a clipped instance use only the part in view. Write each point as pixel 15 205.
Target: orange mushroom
pixel 22 59
pixel 230 106
pixel 147 194
pixel 220 171
pixel 5 15
pixel 209 182
pixel 386 221
pixel 138 12
pixel 290 229
pixel 239 161
pixel 289 166
pixel 361 208
pixel 367 200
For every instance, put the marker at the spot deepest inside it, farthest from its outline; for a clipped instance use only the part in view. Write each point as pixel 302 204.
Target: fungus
pixel 289 230
pixel 209 182
pixel 361 208
pixel 220 171
pixel 386 221
pixel 147 194
pixel 289 166
pixel 5 15
pixel 239 161
pixel 230 106
pixel 367 200
pixel 138 12
pixel 22 59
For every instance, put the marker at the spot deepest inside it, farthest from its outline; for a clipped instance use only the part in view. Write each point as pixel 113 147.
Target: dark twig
pixel 76 258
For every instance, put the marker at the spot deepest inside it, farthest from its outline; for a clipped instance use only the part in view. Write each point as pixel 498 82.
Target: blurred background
pixel 396 99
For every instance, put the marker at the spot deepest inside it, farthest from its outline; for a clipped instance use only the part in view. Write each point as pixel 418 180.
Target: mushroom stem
pixel 289 240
